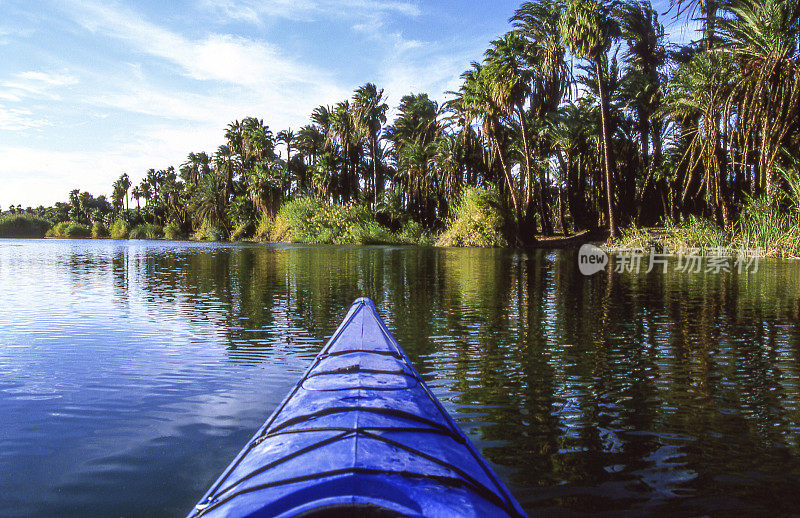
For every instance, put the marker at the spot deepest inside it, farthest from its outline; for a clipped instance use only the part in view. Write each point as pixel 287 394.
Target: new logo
pixel 591 259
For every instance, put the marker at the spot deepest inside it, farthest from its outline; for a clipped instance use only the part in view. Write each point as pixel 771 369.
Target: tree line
pixel 583 115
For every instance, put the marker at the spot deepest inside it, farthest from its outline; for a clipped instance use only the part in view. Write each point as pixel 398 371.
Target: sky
pixel 93 89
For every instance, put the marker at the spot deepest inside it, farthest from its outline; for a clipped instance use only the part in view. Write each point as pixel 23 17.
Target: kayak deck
pixel 360 432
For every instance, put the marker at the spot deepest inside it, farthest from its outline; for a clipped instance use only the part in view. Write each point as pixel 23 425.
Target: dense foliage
pixel 23 225
pixel 311 219
pixel 477 220
pixel 582 116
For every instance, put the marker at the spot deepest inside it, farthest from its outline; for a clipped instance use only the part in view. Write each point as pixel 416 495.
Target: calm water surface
pixel 131 373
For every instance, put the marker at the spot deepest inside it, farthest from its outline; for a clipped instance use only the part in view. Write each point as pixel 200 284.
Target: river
pixel 132 372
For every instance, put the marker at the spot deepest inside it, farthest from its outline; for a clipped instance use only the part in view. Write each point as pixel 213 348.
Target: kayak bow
pixel 360 434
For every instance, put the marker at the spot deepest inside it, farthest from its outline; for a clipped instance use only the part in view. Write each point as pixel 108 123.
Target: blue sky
pixel 91 89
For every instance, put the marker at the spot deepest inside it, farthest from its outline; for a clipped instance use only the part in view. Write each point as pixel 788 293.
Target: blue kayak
pixel 360 435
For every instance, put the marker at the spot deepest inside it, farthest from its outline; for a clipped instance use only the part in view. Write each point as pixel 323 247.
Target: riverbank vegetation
pixel 23 225
pixel 583 116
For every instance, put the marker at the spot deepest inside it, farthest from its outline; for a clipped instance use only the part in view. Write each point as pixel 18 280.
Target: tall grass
pixel 264 228
pixel 477 220
pixel 312 220
pixel 412 233
pixel 70 229
pixel 119 229
pixel 23 225
pixel 172 231
pixel 770 225
pixel 99 230
pixel 243 230
pixel 146 231
pixel 766 224
pixel 209 232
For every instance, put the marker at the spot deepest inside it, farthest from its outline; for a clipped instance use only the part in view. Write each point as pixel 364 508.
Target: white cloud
pixel 36 84
pixel 134 117
pixel 258 11
pixel 217 57
pixel 29 85
pixel 18 119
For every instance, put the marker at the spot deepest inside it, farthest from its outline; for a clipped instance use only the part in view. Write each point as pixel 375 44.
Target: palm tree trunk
pixel 710 22
pixel 528 223
pixel 524 128
pixel 511 189
pixel 604 115
pixel 374 173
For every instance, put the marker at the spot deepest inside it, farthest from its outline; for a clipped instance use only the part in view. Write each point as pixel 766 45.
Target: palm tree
pixel 696 97
pixel 342 134
pixel 196 165
pixel 412 136
pixel 287 138
pixel 448 158
pixel 539 23
pixel 125 184
pixel 137 194
pixel 257 142
pixel 153 179
pixel 370 116
pixel 414 167
pixel 310 141
pixel 550 77
pixel 146 191
pixel 209 200
pixel 572 134
pixel 708 10
pixel 642 83
pixel 266 184
pixel 588 29
pixel 474 101
pixel 764 40
pixel 508 74
pixel 117 196
pixel 646 55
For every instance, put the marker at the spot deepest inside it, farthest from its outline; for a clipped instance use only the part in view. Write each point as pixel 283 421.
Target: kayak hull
pixel 360 434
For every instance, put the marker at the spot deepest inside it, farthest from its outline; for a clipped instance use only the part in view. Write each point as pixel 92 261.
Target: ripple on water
pixel 135 371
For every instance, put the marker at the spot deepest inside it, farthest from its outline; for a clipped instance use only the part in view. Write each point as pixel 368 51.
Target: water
pixel 131 373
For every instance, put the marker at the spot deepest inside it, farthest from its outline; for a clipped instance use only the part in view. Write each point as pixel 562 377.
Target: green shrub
pixel 99 230
pixel 764 225
pixel 264 228
pixel 242 231
pixel 312 220
pixel 78 230
pixel 119 229
pixel 635 237
pixel 413 233
pixel 172 231
pixel 23 225
pixel 146 231
pixel 58 229
pixel 208 232
pixel 701 233
pixel 477 220
pixel 368 232
pixel 70 229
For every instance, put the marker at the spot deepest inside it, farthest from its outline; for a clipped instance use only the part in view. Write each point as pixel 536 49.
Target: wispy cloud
pixel 36 84
pixel 27 86
pixel 156 89
pixel 217 57
pixel 18 119
pixel 259 11
pixel 238 76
